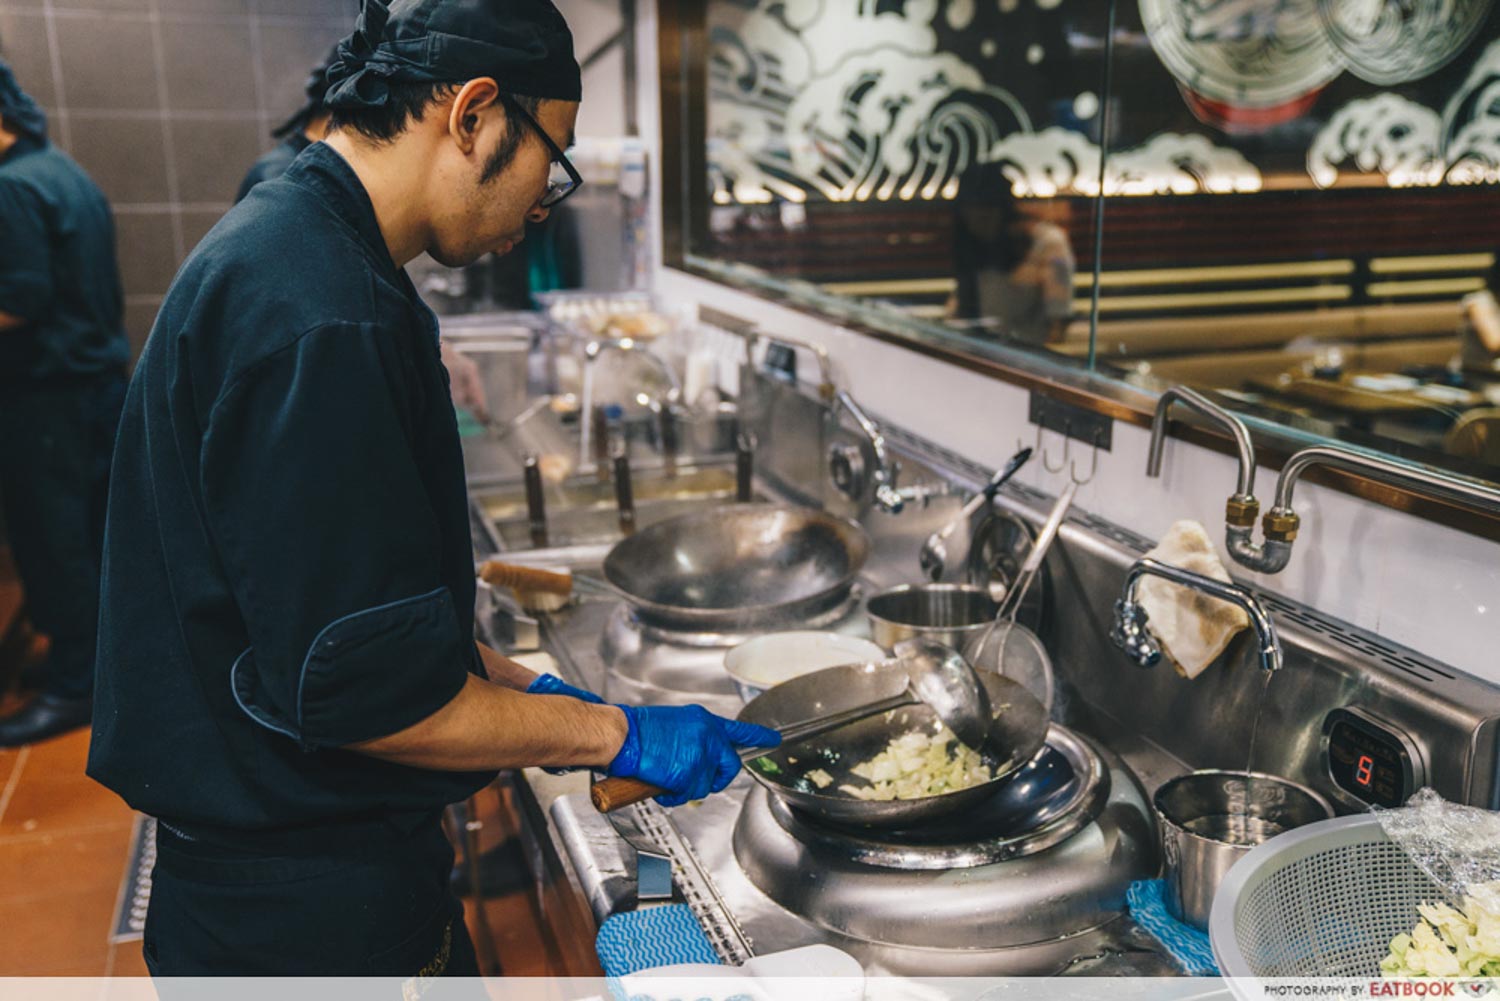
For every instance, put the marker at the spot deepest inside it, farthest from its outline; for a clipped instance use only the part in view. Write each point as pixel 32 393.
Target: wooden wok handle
pixel 497 574
pixel 609 795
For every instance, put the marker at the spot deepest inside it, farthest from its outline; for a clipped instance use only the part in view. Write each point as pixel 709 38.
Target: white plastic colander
pixel 1323 900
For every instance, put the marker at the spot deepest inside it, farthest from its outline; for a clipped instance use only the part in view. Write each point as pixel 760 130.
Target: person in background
pixel 310 125
pixel 63 354
pixel 307 126
pixel 288 677
pixel 1014 273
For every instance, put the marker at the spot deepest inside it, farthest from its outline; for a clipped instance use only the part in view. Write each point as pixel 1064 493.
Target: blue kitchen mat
pixel 658 936
pixel 1187 945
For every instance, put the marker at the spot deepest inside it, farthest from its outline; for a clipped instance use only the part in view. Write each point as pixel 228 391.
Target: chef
pixel 63 353
pixel 288 678
pixel 308 125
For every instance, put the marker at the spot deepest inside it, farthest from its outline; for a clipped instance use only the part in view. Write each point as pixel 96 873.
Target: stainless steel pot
pixel 955 615
pixel 1211 819
pixel 730 568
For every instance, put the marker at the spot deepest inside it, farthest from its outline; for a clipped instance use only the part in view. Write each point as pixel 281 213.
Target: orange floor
pixel 63 846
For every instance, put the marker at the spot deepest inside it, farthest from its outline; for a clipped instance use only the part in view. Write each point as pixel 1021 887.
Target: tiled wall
pixel 166 103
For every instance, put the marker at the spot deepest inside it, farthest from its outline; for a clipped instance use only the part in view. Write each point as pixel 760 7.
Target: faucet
pixel 629 345
pixel 1281 522
pixel 846 465
pixel 1129 631
pixel 593 439
pixel 1241 508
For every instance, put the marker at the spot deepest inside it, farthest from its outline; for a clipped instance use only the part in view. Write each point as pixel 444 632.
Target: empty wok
pixel 737 567
pixel 1018 732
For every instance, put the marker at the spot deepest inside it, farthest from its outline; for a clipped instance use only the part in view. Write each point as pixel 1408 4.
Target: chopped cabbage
pixel 1449 942
pixel 820 778
pixel 917 765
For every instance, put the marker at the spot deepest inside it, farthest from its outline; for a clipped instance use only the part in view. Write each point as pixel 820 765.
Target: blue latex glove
pixel 685 750
pixel 551 684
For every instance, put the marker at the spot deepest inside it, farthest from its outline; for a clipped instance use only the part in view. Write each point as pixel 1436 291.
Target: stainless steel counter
pixel 602 866
pixel 1157 724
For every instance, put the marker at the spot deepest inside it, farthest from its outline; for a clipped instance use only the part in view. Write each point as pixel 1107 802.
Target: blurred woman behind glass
pixel 1014 271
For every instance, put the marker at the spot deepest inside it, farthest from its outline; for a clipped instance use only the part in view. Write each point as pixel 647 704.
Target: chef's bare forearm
pixel 504 671
pixel 488 726
pixel 10 321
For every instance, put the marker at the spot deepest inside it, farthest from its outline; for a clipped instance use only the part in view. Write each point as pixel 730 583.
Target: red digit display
pixel 1363 771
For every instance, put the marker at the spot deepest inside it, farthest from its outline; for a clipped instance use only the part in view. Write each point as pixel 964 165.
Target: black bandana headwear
pixel 316 92
pixel 523 45
pixel 17 108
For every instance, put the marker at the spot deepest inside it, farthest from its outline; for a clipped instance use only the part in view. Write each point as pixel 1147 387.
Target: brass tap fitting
pixel 1281 524
pixel 1240 511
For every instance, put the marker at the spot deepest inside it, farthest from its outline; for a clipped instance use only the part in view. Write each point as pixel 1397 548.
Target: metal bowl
pixel 955 615
pixel 1212 819
pixel 741 566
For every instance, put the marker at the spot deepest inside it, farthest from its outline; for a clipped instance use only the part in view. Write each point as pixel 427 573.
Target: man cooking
pixel 287 673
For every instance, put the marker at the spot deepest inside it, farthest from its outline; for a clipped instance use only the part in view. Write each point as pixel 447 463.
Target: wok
pixel 736 567
pixel 1018 733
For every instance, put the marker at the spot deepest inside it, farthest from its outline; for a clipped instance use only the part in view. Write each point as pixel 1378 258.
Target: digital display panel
pixel 1368 761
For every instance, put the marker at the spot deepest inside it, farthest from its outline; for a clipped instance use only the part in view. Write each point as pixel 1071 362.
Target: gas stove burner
pixel 1059 792
pixel 1047 860
pixel 661 633
pixel 652 665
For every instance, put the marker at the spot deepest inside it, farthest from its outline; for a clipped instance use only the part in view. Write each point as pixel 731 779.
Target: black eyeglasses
pixel 565 178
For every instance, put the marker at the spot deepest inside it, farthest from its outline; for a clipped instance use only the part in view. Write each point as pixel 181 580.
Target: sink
pixel 581 510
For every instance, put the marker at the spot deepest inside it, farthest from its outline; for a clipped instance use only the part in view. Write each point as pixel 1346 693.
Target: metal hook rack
pixel 1093 462
pixel 1046 460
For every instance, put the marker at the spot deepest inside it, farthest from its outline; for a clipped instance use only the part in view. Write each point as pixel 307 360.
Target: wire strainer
pixel 1323 900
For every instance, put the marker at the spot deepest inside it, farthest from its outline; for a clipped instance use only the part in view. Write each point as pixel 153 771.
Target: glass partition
pixel 1355 149
pixel 864 148
pixel 1294 203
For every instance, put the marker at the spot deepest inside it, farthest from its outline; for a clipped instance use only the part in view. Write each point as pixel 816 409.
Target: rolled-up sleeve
pixel 25 254
pixel 316 504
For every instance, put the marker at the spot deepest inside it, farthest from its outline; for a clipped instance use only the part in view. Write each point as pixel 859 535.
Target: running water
pixel 1254 825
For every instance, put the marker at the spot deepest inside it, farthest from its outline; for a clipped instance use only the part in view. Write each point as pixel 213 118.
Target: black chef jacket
pixel 273 163
pixel 287 563
pixel 57 271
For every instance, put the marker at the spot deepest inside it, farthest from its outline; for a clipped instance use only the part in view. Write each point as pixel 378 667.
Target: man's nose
pixel 538 214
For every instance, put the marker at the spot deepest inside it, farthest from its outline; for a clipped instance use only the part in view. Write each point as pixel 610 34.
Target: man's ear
pixel 466 118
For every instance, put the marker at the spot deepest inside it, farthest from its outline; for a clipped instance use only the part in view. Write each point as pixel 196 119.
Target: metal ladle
pixel 936 676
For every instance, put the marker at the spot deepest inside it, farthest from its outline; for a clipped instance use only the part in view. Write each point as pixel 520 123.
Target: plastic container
pixel 768 660
pixel 1324 900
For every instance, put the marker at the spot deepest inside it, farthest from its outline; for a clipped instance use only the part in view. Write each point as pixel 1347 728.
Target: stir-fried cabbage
pixel 918 765
pixel 820 778
pixel 1449 942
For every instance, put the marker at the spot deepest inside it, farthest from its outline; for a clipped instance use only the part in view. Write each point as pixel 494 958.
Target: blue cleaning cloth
pixel 658 936
pixel 1187 945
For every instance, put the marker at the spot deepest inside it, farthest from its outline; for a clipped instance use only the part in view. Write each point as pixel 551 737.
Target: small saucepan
pixel 955 615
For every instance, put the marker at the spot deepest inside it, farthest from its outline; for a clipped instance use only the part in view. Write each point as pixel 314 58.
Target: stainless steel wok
pixel 1018 733
pixel 738 567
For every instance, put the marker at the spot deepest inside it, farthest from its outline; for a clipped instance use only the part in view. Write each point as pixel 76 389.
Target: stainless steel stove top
pixel 1047 860
pixel 991 900
pixel 649 664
